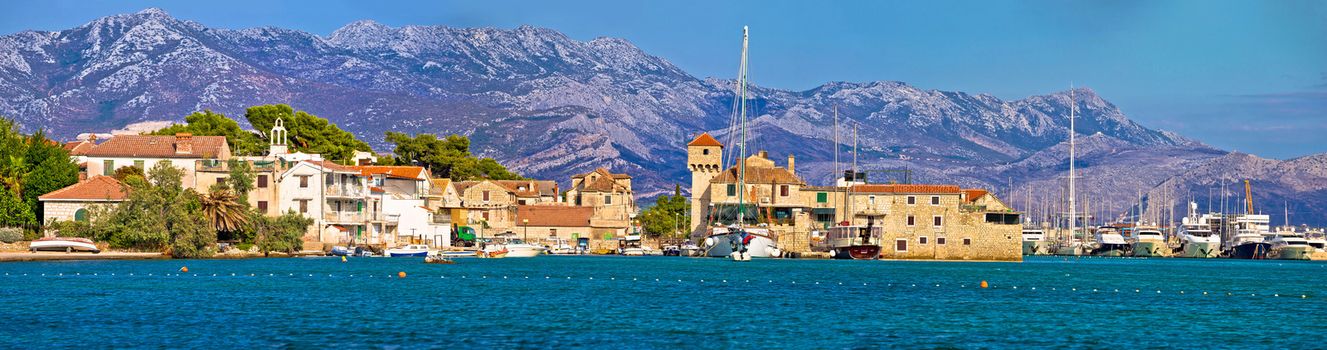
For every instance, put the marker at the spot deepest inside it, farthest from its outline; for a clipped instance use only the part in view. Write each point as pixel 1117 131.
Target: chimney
pixel 764 154
pixel 792 163
pixel 184 143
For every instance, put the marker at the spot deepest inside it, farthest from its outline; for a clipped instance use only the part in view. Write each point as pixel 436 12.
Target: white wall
pixel 419 220
pixel 96 166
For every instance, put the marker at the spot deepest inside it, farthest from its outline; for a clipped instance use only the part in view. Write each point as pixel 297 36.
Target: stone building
pixel 609 196
pixel 938 222
pixel 74 201
pixel 144 151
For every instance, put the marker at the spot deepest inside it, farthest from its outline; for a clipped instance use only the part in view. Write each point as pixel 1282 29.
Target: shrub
pixel 11 234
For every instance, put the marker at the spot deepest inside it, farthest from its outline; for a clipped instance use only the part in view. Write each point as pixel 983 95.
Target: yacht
pixel 1249 241
pixel 559 246
pixel 1110 242
pixel 630 246
pixel 854 242
pixel 1148 242
pixel 741 243
pixel 1034 242
pixel 412 250
pixel 518 248
pixel 1289 245
pixel 1196 237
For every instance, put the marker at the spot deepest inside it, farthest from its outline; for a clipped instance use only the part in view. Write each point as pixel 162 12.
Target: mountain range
pixel 550 106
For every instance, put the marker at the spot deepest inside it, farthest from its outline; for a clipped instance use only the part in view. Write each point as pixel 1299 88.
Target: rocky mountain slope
pixel 551 106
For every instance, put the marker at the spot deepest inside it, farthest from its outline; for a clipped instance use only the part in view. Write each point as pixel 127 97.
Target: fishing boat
pixel 412 250
pixel 1196 237
pixel 1034 242
pixel 1110 242
pixel 691 249
pixel 739 241
pixel 495 251
pixel 560 246
pixel 1148 242
pixel 518 248
pixel 854 242
pixel 64 244
pixel 1289 245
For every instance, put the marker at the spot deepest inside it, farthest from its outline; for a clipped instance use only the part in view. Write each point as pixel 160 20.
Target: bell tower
pixel 704 160
pixel 277 138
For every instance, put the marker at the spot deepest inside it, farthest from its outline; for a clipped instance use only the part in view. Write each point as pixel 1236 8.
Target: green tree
pixel 207 123
pixel 241 180
pixel 281 234
pixel 667 216
pixel 123 173
pixel 308 133
pixel 159 214
pixel 222 208
pixel 31 166
pixel 13 212
pixel 449 157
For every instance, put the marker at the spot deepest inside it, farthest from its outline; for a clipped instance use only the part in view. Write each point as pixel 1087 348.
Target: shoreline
pixel 59 256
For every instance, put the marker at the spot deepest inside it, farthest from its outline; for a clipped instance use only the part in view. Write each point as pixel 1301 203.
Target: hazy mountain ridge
pixel 551 106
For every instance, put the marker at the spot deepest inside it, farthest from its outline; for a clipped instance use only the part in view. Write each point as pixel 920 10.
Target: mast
pixel 1072 215
pixel 854 172
pixel 741 146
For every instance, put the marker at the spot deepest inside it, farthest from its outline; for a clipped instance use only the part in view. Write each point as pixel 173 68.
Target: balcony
pixel 344 191
pixel 343 216
pixel 389 218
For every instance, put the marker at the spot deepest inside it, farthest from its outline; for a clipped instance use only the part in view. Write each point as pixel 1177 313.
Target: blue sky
pixel 1240 75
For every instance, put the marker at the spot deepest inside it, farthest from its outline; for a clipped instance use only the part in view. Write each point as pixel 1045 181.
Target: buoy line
pixel 614 279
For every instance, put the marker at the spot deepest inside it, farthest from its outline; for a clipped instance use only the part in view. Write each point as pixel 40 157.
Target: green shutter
pixel 81 215
pixel 822 197
pixel 732 189
pixel 139 164
pixel 108 167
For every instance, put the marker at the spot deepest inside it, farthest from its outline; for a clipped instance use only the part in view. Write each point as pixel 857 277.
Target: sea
pixel 619 302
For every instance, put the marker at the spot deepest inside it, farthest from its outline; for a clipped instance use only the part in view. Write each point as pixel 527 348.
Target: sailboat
pixel 1073 245
pixel 847 240
pixel 738 241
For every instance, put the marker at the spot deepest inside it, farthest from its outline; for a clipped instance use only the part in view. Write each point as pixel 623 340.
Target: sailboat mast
pixel 741 146
pixel 854 170
pixel 1072 215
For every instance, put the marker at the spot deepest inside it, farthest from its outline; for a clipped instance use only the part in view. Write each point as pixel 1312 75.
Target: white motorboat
pixel 1148 242
pixel 1289 245
pixel 412 250
pixel 1110 242
pixel 64 244
pixel 691 249
pixel 519 249
pixel 630 246
pixel 1034 242
pixel 1196 237
pixel 741 243
pixel 560 246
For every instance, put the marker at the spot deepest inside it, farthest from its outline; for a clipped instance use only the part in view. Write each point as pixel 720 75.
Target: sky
pixel 1249 76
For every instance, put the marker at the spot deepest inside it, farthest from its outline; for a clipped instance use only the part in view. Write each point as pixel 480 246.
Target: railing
pixel 343 216
pixel 344 191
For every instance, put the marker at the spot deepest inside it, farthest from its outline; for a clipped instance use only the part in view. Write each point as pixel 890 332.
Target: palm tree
pixel 223 209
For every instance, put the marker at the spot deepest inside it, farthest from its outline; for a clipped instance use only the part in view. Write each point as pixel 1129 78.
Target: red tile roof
pixel 906 188
pixel 334 167
pixel 604 182
pixel 152 146
pixel 972 195
pixel 401 172
pixel 553 216
pixel 759 175
pixel 704 139
pixel 78 148
pixel 98 188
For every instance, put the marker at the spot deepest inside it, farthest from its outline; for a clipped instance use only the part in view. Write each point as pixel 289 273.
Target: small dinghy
pixel 437 258
pixel 64 244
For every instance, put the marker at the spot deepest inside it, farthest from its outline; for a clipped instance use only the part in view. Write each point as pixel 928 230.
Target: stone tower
pixel 277 138
pixel 704 160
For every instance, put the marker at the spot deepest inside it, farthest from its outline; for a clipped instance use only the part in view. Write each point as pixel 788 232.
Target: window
pixel 139 165
pixel 304 181
pixel 901 245
pixel 304 206
pixel 81 215
pixel 870 200
pixel 912 200
pixel 608 199
pixel 108 167
pixel 262 181
pixel 262 206
pixel 705 151
pixel 939 221
pixel 921 240
pixel 485 197
pixel 732 189
pixel 822 197
pixel 485 216
pixel 331 179
pixel 552 232
pixel 912 221
pixel 967 241
pixel 935 200
pixel 939 241
pixel 783 190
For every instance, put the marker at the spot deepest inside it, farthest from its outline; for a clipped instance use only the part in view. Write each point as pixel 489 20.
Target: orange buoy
pixel 184 269
pixel 400 274
pixel 984 285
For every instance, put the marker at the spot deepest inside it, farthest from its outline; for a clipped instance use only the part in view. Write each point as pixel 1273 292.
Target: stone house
pixel 937 222
pixel 611 198
pixel 74 201
pixel 183 151
pixel 487 206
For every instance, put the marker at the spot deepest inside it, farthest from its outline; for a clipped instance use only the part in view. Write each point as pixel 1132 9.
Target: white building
pixel 145 151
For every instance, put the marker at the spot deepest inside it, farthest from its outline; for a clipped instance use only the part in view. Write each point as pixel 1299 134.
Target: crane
pixel 1248 197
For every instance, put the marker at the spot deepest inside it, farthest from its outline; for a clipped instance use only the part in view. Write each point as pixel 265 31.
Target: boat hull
pixel 857 252
pixel 1251 251
pixel 1291 253
pixel 407 254
pixel 1036 248
pixel 759 247
pixel 1111 250
pixel 63 246
pixel 1149 249
pixel 1199 250
pixel 523 252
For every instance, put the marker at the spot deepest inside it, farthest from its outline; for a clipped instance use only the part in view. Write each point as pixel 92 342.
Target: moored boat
pixel 1250 241
pixel 64 244
pixel 854 242
pixel 1289 245
pixel 1148 242
pixel 412 250
pixel 1110 242
pixel 1196 237
pixel 1034 242
pixel 741 243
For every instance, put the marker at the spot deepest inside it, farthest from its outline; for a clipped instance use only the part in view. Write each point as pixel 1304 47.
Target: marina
pixel 905 304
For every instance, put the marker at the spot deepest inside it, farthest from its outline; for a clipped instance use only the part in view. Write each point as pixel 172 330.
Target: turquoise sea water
pixel 663 302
